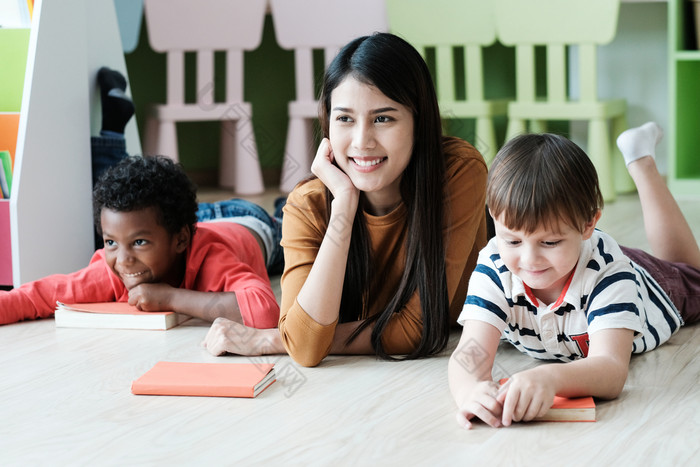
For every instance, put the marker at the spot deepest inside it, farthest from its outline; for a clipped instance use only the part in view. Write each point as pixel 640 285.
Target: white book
pixel 114 315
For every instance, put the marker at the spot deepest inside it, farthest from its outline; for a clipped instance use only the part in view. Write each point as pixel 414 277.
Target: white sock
pixel 639 142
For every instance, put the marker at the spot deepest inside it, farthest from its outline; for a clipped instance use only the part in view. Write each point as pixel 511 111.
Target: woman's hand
pixel 335 179
pixel 229 336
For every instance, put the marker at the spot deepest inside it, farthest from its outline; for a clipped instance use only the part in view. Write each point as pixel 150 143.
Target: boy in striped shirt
pixel 559 289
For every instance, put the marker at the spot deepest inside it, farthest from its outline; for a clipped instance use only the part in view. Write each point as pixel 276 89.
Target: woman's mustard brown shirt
pixel 304 228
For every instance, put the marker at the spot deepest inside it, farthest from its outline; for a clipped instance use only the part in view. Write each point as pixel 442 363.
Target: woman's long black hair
pixel 393 66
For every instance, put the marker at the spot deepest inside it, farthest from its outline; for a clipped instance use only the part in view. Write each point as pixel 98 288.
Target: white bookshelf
pixel 50 204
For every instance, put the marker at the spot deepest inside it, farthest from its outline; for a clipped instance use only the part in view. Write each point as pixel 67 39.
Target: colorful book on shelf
pixel 6 173
pixel 564 409
pixel 4 187
pixel 9 128
pixel 114 315
pixel 205 379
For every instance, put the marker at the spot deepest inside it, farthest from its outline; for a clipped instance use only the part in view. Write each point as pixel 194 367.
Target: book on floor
pixel 114 315
pixel 205 379
pixel 565 409
pixel 577 409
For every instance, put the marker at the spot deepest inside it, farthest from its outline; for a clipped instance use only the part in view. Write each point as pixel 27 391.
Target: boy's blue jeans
pixel 242 208
pixel 107 150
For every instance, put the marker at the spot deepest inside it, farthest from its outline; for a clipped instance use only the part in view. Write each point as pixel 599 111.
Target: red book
pixel 205 379
pixel 564 409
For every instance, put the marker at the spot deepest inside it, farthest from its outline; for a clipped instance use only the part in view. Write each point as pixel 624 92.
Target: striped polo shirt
pixel 607 290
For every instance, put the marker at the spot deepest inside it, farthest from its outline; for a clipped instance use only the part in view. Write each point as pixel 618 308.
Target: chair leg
pixel 486 138
pixel 599 152
pixel 538 126
pixel 516 126
pixel 298 153
pixel 239 166
pixel 167 140
pixel 150 137
pixel 623 181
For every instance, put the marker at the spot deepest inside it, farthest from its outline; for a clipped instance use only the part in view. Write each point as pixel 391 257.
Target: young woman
pixel 380 244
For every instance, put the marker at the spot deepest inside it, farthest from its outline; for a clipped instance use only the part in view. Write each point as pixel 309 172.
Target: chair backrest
pixel 556 24
pixel 556 21
pixel 129 17
pixel 205 26
pixel 305 25
pixel 444 25
pixel 188 25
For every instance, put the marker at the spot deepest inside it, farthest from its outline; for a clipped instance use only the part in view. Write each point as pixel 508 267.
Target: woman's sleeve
pixel 464 234
pixel 303 229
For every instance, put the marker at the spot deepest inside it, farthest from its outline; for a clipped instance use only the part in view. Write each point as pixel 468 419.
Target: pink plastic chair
pixel 205 26
pixel 302 26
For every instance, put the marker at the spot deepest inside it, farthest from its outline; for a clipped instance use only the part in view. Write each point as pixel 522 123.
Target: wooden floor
pixel 65 400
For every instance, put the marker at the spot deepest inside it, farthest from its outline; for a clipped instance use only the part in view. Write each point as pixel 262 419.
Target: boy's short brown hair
pixel 541 179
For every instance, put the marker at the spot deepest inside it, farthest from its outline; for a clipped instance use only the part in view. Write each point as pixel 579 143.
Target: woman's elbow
pixel 307 354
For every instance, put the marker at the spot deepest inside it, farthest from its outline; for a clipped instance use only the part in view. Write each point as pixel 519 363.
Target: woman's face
pixel 372 140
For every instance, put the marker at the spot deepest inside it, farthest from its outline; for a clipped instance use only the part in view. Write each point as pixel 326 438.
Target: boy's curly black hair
pixel 139 182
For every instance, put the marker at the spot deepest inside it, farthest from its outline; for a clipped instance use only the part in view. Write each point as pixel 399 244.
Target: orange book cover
pixel 205 379
pixel 121 308
pixel 9 126
pixel 114 315
pixel 564 409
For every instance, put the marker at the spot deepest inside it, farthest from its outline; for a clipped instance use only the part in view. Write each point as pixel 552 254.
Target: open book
pixel 578 409
pixel 205 379
pixel 114 315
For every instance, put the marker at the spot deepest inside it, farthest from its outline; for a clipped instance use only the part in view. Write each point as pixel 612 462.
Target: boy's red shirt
pixel 223 257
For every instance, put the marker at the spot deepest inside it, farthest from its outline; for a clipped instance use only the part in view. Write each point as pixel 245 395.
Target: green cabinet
pixel 684 99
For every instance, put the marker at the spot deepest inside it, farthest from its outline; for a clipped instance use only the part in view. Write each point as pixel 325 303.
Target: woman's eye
pixel 383 119
pixel 344 118
pixel 109 242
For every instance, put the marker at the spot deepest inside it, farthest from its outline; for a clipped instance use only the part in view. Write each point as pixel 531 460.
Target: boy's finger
pixel 509 405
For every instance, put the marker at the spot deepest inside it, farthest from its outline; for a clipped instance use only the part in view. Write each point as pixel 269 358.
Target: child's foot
pixel 639 142
pixel 117 107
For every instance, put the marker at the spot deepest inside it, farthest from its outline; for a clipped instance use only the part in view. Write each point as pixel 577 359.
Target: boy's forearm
pixel 598 376
pixel 602 373
pixel 462 379
pixel 206 305
pixel 472 360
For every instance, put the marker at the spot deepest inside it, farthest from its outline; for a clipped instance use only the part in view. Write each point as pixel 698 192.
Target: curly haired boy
pixel 157 256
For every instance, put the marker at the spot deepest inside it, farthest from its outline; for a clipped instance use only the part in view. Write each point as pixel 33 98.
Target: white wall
pixel 634 66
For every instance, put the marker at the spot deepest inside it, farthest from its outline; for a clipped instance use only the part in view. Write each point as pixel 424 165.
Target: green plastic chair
pixel 445 25
pixel 557 25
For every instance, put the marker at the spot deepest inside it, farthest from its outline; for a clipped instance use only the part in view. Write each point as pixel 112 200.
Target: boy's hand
pixel 229 336
pixel 481 403
pixel 525 396
pixel 151 297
